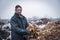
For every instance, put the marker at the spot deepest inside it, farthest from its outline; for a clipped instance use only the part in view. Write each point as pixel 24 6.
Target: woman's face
pixel 18 10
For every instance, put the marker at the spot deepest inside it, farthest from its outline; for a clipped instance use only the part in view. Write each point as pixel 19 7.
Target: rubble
pixel 50 32
pixel 4 32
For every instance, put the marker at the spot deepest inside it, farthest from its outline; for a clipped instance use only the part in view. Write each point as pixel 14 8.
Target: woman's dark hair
pixel 17 6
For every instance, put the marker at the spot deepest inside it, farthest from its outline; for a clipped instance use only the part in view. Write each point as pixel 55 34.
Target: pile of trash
pixel 50 32
pixel 5 32
pixel 35 31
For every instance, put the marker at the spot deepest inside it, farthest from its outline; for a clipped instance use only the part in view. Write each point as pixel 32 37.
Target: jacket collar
pixel 20 16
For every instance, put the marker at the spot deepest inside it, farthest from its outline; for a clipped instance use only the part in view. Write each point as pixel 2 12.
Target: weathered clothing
pixel 18 27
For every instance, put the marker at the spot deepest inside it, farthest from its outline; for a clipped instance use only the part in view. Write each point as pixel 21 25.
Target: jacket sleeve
pixel 15 28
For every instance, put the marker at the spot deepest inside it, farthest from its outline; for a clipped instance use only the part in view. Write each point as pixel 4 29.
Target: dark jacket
pixel 18 27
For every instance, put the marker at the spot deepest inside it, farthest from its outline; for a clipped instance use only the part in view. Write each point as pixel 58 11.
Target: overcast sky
pixel 39 8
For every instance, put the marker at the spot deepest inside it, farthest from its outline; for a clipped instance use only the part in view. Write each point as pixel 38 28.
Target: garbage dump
pixel 50 32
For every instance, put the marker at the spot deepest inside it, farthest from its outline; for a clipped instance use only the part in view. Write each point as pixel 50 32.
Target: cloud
pixel 40 8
